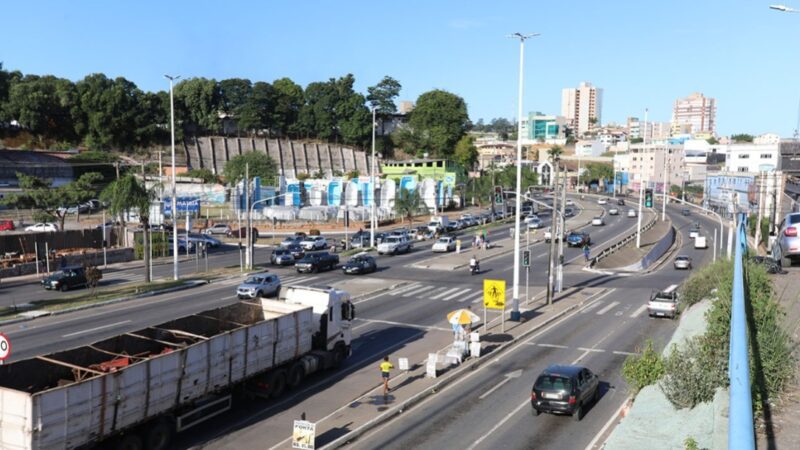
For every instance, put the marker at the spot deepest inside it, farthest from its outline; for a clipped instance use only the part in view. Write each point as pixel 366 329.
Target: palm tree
pixel 128 193
pixel 407 204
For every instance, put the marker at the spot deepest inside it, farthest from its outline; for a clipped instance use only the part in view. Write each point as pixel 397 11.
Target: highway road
pixel 413 314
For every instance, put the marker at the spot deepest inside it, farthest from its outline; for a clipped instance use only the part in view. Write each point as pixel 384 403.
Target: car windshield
pixel 254 280
pixel 682 258
pixel 553 383
pixel 444 240
pixel 598 218
pixel 393 239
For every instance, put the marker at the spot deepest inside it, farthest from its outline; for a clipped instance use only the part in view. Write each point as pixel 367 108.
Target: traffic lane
pixel 466 414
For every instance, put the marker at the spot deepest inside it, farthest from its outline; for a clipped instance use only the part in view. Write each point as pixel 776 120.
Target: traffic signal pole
pixel 639 219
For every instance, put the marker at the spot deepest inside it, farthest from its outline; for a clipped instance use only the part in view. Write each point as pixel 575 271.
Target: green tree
pixel 555 153
pixel 126 194
pixel 234 94
pixel 93 277
pixel 333 111
pixel 597 172
pixel 466 153
pixel 109 112
pixel 712 140
pixel 152 120
pixel 52 202
pixel 438 121
pixel 204 174
pixel 200 101
pixel 742 137
pixel 382 97
pixel 258 110
pixel 260 164
pixel 289 99
pixel 407 204
pixel 637 140
pixel 47 106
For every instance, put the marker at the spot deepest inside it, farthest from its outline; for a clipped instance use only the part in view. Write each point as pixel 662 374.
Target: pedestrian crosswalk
pixel 442 293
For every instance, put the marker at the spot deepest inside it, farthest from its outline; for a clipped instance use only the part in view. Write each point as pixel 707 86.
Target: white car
pixel 570 202
pixel 631 213
pixel 444 244
pixel 598 221
pixel 531 218
pixel 700 242
pixel 602 201
pixel 393 245
pixel 314 243
pixel 613 211
pixel 41 227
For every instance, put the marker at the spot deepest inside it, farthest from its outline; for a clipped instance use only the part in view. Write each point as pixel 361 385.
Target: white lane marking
pixel 449 291
pixel 507 377
pixel 410 325
pixel 607 308
pixel 499 424
pixel 475 297
pixel 96 328
pixel 461 292
pixel 671 288
pixel 405 289
pixel 417 291
pixel 639 311
pixel 592 306
pixel 603 430
pixel 596 350
pixel 552 345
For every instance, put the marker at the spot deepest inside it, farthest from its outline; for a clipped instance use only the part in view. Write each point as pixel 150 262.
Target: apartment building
pixel 753 158
pixel 539 127
pixel 654 131
pixel 655 164
pixel 694 114
pixel 582 107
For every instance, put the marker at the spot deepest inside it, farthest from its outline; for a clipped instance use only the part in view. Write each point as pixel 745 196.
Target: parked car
pixel 394 245
pixel 682 262
pixel 786 248
pixel 42 227
pixel 314 243
pixel 360 264
pixel 242 233
pixel 108 225
pixel 316 262
pixel 598 221
pixel 613 212
pixel 66 279
pixel 6 225
pixel 281 257
pixel 631 213
pixel 578 239
pixel 259 285
pixel 663 304
pixel 565 389
pixel 218 228
pixel 444 244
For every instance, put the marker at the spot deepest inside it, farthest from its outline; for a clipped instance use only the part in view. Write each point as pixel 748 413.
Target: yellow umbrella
pixel 462 317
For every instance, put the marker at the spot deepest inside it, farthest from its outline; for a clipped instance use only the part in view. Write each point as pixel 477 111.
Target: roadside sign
pixel 5 348
pixel 303 434
pixel 494 294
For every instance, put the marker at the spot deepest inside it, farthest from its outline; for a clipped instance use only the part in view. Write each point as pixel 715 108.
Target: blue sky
pixel 643 54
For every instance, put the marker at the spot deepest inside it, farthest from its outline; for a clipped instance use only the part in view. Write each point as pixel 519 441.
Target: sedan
pixel 281 257
pixel 570 202
pixel 786 248
pixel 314 243
pixel 694 231
pixel 360 264
pixel 296 251
pixel 218 228
pixel 613 212
pixel 631 213
pixel 602 201
pixel 562 389
pixel 578 239
pixel 682 262
pixel 535 224
pixel 42 227
pixel 598 221
pixel 444 244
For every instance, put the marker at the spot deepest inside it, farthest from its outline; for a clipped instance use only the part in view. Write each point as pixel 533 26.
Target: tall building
pixel 582 106
pixel 655 131
pixel 545 128
pixel 694 114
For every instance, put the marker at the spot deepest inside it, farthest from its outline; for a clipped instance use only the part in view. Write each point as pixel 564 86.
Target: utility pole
pixel 373 223
pixel 553 235
pixel 174 198
pixel 761 179
pixel 561 232
pixel 247 256
pixel 664 183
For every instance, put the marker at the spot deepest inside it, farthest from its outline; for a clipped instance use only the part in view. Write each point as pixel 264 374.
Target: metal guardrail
pixel 621 243
pixel 740 422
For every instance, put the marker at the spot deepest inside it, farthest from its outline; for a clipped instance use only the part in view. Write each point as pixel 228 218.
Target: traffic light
pixel 498 195
pixel 648 198
pixel 526 258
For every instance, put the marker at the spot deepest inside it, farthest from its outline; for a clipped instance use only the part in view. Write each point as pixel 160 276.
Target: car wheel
pixel 785 262
pixel 535 412
pixel 259 294
pixel 578 414
pixel 64 287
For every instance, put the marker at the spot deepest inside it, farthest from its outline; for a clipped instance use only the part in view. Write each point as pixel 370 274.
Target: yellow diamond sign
pixel 494 294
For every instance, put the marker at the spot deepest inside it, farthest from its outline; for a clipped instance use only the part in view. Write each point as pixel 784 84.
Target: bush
pixel 701 284
pixel 204 174
pixel 160 245
pixel 643 369
pixel 692 374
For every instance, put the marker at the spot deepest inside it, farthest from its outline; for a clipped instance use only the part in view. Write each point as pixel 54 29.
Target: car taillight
pixel 791 231
pixel 533 396
pixel 572 400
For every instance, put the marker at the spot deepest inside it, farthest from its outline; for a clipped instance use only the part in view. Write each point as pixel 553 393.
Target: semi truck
pixel 135 390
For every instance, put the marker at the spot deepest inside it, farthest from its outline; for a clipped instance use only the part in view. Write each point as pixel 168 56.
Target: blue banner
pixel 185 205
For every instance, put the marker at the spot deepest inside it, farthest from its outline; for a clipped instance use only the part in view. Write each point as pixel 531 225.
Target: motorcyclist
pixel 474 265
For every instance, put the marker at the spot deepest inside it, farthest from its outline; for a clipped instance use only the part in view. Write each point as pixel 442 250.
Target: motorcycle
pixel 474 269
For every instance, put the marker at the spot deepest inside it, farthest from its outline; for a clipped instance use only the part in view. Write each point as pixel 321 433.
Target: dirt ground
pixel 783 430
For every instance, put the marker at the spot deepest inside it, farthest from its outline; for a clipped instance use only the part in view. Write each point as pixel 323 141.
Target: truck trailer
pixel 135 390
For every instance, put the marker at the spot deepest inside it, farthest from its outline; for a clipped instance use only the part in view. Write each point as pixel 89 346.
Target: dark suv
pixel 565 390
pixel 66 278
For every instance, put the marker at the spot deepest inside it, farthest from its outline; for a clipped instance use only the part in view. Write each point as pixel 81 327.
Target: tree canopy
pixel 742 137
pixel 466 153
pixel 437 122
pixel 260 164
pixel 50 202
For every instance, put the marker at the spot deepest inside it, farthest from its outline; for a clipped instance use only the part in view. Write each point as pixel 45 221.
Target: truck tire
pixel 339 355
pixel 277 383
pixel 129 442
pixel 296 375
pixel 158 435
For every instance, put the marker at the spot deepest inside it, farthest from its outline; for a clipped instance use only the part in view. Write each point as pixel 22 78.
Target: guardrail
pixel 624 241
pixel 740 422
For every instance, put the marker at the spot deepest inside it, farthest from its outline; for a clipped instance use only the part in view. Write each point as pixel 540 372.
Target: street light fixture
pixel 783 8
pixel 172 79
pixel 515 314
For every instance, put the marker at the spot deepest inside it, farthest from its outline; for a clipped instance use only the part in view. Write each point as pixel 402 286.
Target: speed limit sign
pixel 5 347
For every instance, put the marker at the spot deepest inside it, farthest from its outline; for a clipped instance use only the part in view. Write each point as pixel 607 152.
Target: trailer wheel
pixel 277 383
pixel 129 442
pixel 296 375
pixel 158 435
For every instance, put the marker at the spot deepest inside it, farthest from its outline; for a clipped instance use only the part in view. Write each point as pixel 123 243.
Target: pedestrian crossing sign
pixel 494 294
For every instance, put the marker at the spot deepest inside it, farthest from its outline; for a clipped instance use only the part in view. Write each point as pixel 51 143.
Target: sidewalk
pixel 630 254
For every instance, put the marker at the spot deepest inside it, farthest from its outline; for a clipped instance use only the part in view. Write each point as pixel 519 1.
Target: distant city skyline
pixel 642 54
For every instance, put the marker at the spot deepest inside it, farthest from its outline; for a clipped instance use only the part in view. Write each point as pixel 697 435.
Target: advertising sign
pixel 190 205
pixel 303 435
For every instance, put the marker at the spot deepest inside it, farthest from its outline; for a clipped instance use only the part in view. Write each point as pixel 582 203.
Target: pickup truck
pixel 315 262
pixel 663 304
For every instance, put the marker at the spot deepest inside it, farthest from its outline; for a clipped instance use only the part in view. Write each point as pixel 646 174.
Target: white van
pixel 700 242
pixel 438 223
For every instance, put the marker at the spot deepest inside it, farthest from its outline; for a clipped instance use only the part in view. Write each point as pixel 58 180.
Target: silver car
pixel 259 285
pixel 682 262
pixel 787 245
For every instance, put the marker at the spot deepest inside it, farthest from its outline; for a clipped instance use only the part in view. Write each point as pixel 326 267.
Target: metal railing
pixel 622 242
pixel 740 422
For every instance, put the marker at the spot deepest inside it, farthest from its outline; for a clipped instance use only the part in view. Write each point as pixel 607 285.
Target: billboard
pixel 185 205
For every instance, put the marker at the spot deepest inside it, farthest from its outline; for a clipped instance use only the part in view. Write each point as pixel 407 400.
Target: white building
pixel 582 106
pixel 767 138
pixel 694 114
pixel 589 148
pixel 654 131
pixel 752 158
pixel 655 164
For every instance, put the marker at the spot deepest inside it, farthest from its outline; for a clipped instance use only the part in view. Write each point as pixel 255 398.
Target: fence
pixel 740 422
pixel 26 243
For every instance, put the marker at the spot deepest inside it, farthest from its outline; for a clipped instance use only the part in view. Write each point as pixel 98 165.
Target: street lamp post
pixel 172 79
pixel 250 246
pixel 373 221
pixel 639 219
pixel 664 183
pixel 515 314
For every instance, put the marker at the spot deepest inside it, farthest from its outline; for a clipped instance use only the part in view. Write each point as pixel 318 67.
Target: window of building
pixel 742 169
pixel 766 156
pixel 744 155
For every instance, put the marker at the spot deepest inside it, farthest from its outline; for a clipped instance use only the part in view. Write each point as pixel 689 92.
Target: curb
pixel 353 436
pixel 190 285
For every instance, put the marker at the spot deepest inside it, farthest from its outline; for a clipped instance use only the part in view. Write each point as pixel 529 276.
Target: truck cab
pixel 333 316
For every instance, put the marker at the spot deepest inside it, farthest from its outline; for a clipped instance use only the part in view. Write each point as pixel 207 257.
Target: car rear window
pixel 553 383
pixel 794 218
